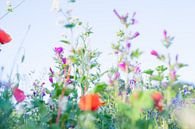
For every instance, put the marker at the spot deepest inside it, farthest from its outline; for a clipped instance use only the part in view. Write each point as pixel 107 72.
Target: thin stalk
pixel 17 53
pixel 18 5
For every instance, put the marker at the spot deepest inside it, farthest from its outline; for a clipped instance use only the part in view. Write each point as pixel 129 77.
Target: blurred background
pixel 153 16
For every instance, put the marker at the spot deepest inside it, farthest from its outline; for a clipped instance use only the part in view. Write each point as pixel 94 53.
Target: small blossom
pixel 168 40
pixel 172 75
pixel 58 50
pixel 154 53
pixel 51 79
pixel 165 33
pixel 90 102
pixel 4 37
pixel 128 45
pixel 137 69
pixel 18 94
pixel 64 60
pixel 122 66
pixel 123 19
pixel 116 75
pixel 136 34
pixel 133 20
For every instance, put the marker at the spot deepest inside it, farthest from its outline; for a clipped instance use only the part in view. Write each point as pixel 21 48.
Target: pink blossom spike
pixel 154 53
pixel 18 94
pixel 122 66
pixel 165 33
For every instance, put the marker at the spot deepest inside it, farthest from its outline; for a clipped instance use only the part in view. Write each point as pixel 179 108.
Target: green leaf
pixel 65 41
pixel 181 65
pixel 100 87
pixel 93 65
pixel 22 59
pixel 161 68
pixel 120 33
pixel 136 54
pixel 70 25
pixel 149 71
pixel 157 78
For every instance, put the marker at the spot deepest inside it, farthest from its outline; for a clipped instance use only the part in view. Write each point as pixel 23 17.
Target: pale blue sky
pixel 177 16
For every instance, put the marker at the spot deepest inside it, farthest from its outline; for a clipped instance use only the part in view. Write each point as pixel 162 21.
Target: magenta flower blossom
pixel 128 45
pixel 51 79
pixel 136 34
pixel 58 50
pixel 123 19
pixel 168 40
pixel 64 60
pixel 116 75
pixel 137 69
pixel 165 33
pixel 172 75
pixel 122 66
pixel 18 94
pixel 154 53
pixel 133 20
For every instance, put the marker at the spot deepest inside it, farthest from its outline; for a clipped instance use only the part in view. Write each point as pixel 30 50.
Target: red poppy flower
pixel 157 98
pixel 90 102
pixel 4 37
pixel 18 94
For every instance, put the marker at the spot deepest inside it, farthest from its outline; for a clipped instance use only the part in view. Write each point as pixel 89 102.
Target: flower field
pixel 78 94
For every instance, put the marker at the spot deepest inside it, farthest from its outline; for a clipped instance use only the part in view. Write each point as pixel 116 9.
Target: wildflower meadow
pixel 77 93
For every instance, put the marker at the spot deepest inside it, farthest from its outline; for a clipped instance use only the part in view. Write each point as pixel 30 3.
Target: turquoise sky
pixel 177 16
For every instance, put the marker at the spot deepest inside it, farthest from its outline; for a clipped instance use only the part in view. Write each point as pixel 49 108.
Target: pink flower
pixel 172 75
pixel 128 45
pixel 154 53
pixel 4 37
pixel 58 50
pixel 137 69
pixel 116 75
pixel 165 33
pixel 122 66
pixel 136 34
pixel 18 94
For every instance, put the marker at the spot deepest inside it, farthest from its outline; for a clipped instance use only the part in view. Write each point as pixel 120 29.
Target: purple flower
pixel 132 82
pixel 64 60
pixel 116 13
pixel 122 18
pixel 128 45
pixel 172 75
pixel 51 79
pixel 137 69
pixel 43 93
pixel 68 81
pixel 133 20
pixel 116 75
pixel 165 33
pixel 52 72
pixel 58 50
pixel 136 34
